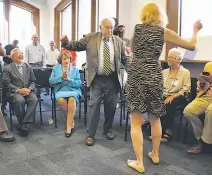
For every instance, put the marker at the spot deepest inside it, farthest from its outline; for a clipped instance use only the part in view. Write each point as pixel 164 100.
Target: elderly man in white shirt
pixel 35 54
pixel 52 55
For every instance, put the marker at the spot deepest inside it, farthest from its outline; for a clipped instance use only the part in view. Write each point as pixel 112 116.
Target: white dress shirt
pixel 52 56
pixel 112 56
pixel 35 54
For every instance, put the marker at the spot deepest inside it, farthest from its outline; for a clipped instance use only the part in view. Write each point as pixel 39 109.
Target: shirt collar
pixel 18 65
pixel 108 40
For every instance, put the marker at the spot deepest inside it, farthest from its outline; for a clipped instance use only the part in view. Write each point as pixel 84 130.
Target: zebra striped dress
pixel 144 89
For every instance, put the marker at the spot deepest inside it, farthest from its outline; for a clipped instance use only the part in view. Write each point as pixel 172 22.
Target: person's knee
pixel 34 99
pixel 71 100
pixel 137 120
pixel 19 101
pixel 188 112
pixel 61 101
pixel 208 114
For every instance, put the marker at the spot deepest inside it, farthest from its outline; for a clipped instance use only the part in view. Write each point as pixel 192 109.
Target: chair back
pixel 1 87
pixel 42 76
pixel 193 89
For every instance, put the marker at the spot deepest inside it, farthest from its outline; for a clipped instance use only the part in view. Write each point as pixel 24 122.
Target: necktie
pixel 106 56
pixel 20 70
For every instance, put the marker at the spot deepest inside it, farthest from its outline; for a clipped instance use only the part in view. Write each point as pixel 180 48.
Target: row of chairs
pixel 42 81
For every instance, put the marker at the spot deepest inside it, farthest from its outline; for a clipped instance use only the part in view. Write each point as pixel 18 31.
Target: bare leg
pixel 71 113
pixel 137 139
pixel 63 104
pixel 156 132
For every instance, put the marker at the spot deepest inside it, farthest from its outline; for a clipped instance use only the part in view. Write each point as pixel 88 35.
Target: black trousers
pixel 168 120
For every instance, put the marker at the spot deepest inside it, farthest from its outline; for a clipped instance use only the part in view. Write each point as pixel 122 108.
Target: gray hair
pixel 15 51
pixel 179 53
pixel 108 19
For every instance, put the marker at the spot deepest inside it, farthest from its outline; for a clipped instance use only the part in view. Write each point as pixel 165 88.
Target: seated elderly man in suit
pixel 19 78
pixel 201 105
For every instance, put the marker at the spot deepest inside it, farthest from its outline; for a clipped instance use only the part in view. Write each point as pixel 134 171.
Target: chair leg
pixel 55 116
pixel 80 103
pixel 126 127
pixel 52 110
pixel 41 117
pixel 185 132
pixel 121 113
pixel 11 117
pixel 124 112
pixel 181 119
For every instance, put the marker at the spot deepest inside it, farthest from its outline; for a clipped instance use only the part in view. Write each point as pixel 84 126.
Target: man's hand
pixel 169 99
pixel 24 91
pixel 28 91
pixel 128 50
pixel 64 39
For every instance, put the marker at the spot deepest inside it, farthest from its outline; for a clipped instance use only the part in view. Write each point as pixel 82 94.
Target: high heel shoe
pixel 68 135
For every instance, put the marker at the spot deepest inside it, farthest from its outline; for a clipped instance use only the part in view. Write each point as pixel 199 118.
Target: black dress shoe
pixel 5 137
pixel 68 135
pixel 23 130
pixel 109 135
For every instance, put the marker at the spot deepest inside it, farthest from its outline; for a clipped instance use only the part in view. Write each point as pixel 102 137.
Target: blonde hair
pixel 154 15
pixel 177 51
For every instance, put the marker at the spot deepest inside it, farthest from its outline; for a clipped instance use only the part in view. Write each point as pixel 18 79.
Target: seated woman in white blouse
pixel 176 82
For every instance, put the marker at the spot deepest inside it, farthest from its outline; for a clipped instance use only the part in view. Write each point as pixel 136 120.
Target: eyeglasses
pixel 170 57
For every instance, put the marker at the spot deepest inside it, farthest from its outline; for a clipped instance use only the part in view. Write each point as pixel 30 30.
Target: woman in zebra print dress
pixel 145 82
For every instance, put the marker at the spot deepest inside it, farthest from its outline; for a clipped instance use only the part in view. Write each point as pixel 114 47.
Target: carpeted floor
pixel 47 151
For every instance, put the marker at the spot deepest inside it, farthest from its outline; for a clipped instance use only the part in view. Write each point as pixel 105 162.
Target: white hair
pixel 14 51
pixel 108 19
pixel 177 51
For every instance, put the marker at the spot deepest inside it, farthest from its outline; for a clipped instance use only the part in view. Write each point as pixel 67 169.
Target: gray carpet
pixel 47 151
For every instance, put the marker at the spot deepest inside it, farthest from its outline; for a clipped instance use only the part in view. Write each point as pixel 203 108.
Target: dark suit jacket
pixel 12 78
pixel 91 43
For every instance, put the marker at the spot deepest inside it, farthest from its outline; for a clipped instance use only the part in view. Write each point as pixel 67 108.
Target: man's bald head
pixel 107 26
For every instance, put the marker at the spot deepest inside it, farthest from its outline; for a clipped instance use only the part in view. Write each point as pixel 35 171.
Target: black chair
pixel 83 99
pixel 42 81
pixel 122 106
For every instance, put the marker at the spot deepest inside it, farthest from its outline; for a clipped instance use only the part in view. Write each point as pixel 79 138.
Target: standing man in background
pixel 35 56
pixel 7 58
pixel 121 34
pixel 52 55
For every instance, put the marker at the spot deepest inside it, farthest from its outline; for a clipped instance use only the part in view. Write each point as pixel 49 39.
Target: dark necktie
pixel 106 56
